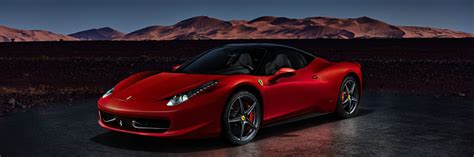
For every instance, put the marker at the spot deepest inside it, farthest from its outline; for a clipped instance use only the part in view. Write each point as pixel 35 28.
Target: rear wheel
pixel 241 118
pixel 349 96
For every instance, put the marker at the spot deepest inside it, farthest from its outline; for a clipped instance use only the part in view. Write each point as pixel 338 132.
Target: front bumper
pixel 196 118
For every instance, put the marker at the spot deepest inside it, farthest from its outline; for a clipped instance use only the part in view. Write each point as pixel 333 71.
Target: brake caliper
pixel 251 117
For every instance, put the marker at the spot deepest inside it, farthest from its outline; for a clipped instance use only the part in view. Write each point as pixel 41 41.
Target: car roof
pixel 257 45
pixel 266 45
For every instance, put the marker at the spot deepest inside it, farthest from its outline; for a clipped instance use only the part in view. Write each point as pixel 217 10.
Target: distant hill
pixel 270 27
pixel 8 34
pixel 427 32
pixel 105 33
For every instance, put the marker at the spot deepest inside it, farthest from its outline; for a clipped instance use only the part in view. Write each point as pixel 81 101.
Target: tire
pixel 348 98
pixel 239 126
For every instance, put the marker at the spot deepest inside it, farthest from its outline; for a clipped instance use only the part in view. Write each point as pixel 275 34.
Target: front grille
pixel 134 124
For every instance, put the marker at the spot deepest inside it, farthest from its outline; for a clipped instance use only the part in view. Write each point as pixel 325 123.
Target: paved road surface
pixel 388 125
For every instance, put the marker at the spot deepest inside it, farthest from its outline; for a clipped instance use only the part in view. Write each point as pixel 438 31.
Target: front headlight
pixel 109 92
pixel 178 99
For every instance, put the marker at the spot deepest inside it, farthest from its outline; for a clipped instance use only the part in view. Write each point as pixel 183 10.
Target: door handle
pixel 315 76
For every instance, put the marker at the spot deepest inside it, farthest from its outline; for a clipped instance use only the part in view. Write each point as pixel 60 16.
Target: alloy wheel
pixel 242 118
pixel 350 96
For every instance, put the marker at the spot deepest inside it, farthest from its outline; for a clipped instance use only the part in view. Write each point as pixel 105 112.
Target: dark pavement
pixel 387 125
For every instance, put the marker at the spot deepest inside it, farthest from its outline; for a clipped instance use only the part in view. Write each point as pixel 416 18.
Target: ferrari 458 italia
pixel 231 91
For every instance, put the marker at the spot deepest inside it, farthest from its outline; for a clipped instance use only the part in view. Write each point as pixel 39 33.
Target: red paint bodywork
pixel 313 88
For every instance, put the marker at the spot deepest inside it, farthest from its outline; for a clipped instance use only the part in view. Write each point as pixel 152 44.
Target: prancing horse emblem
pixel 260 82
pixel 120 123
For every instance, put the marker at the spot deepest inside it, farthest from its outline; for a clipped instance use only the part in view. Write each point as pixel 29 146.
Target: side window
pixel 280 58
pixel 297 61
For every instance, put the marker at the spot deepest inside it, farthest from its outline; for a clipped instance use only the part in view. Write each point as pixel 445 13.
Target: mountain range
pixel 265 27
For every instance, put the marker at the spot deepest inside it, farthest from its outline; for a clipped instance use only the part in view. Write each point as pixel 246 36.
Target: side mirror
pixel 173 68
pixel 282 73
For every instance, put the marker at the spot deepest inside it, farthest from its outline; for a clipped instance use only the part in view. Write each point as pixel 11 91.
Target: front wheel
pixel 349 97
pixel 241 118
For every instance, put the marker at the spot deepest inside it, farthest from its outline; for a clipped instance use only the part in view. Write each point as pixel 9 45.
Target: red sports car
pixel 231 91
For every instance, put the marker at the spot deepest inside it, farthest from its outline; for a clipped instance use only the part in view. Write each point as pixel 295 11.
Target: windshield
pixel 226 60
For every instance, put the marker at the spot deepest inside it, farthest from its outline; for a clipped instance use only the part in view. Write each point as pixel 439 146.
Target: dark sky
pixel 69 16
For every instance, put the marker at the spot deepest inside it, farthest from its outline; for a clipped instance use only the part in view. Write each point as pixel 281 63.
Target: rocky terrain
pixel 265 27
pixel 39 73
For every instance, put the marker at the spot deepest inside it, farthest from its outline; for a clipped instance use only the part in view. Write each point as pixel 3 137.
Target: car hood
pixel 162 86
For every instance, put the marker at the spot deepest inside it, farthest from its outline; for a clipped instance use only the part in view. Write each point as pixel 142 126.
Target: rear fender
pixel 331 78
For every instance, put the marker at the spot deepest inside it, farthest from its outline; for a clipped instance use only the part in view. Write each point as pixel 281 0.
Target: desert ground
pixel 41 74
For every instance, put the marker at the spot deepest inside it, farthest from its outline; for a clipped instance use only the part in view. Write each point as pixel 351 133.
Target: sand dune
pixel 427 32
pixel 8 34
